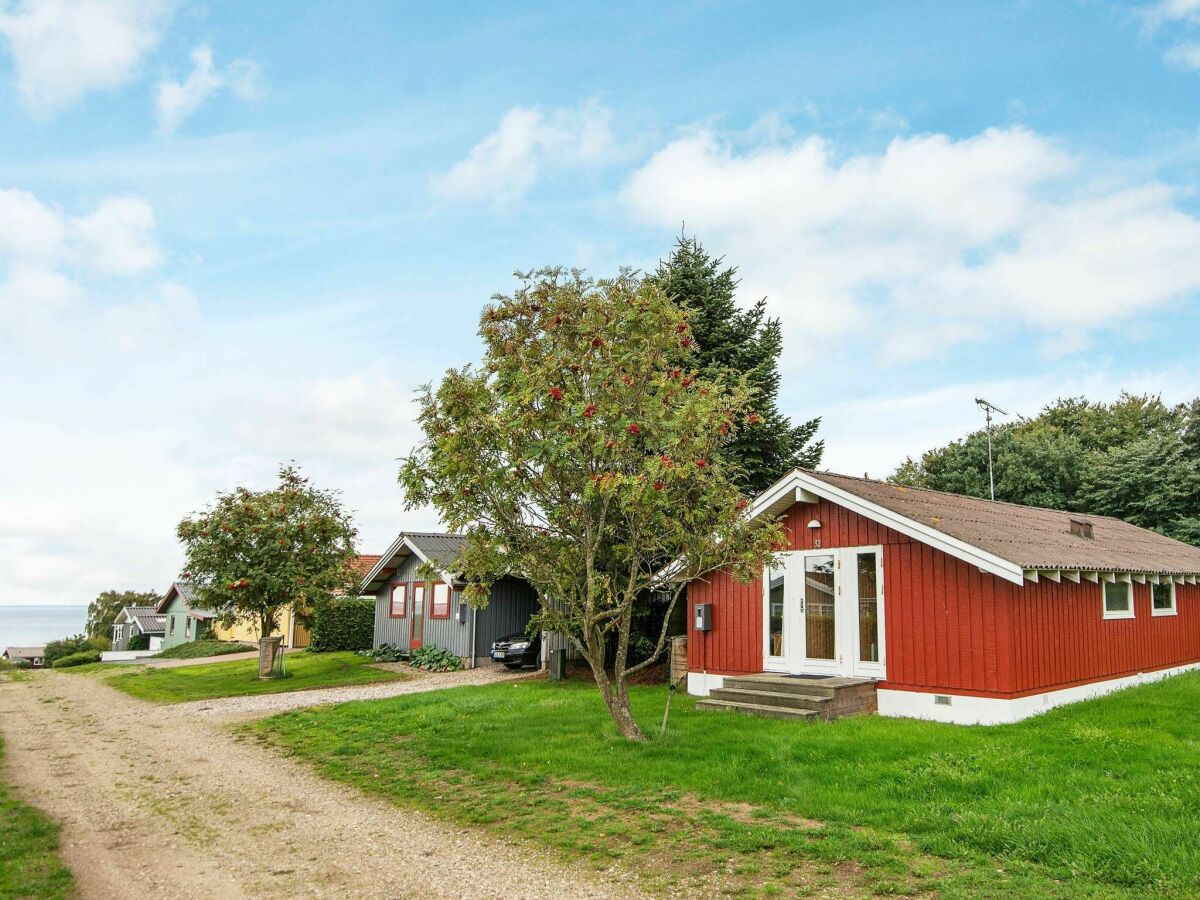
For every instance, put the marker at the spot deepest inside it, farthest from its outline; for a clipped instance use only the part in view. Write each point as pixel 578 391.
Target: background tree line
pixel 1136 458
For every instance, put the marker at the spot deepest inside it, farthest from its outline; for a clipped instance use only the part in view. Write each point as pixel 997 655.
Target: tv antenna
pixel 988 409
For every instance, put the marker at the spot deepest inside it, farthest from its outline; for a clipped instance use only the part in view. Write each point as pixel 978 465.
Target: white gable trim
pixel 799 487
pixel 387 558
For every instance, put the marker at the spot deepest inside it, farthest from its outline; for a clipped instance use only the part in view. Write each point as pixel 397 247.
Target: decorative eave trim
pixel 386 560
pixel 800 487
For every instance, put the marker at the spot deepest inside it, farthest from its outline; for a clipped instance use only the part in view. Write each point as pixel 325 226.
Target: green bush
pixel 435 659
pixel 71 645
pixel 81 658
pixel 387 653
pixel 138 642
pixel 343 624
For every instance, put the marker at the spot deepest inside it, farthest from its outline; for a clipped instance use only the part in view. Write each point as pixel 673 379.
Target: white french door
pixel 823 612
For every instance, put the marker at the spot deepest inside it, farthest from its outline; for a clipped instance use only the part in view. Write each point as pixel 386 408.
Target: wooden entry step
pixel 794 696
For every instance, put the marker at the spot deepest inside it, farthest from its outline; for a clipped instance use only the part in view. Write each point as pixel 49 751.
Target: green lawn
pixel 1097 799
pixel 239 678
pixel 202 648
pixel 29 863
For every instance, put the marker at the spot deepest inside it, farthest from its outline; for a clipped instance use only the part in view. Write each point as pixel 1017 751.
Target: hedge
pixel 138 641
pixel 345 624
pixel 77 659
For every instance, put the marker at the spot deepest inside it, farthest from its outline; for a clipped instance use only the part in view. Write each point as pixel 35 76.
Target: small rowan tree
pixel 252 553
pixel 584 458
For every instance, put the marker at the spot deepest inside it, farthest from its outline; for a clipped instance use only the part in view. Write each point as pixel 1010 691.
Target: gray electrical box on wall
pixel 462 614
pixel 703 620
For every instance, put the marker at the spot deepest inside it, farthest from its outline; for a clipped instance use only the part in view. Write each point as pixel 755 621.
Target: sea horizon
pixel 33 625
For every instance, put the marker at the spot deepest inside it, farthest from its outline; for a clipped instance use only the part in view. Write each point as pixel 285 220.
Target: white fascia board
pixel 796 480
pixel 390 554
pixel 446 576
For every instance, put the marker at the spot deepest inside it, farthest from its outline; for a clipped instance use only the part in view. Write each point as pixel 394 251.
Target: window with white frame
pixel 1118 600
pixel 1162 599
pixel 187 627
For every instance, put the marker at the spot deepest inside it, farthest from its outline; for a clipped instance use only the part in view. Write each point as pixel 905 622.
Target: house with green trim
pixel 184 621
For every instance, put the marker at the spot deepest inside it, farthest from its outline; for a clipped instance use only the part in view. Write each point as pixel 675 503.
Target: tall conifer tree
pixel 742 341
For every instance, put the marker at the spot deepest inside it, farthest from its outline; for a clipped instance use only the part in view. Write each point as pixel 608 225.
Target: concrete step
pixel 739 694
pixel 809 687
pixel 755 709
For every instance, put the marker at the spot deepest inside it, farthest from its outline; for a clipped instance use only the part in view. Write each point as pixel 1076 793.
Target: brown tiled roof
pixel 1028 536
pixel 362 564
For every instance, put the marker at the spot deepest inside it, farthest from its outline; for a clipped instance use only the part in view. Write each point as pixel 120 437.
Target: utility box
pixel 461 616
pixel 703 617
pixel 558 665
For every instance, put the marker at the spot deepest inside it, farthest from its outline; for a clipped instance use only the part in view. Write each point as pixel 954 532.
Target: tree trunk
pixel 616 699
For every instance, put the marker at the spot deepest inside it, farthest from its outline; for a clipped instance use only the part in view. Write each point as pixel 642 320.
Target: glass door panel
pixel 868 608
pixel 776 595
pixel 820 607
pixel 418 616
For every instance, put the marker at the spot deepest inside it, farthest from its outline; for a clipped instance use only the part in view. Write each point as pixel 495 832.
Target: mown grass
pixel 1098 799
pixel 304 671
pixel 202 648
pixel 29 862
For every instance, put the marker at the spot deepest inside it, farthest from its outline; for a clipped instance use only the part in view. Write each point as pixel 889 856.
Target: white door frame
pixel 847 635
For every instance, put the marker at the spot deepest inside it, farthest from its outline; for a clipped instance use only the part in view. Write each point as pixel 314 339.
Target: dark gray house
pixel 410 611
pixel 139 620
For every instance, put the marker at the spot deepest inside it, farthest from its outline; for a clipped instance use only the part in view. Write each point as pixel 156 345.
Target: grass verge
pixel 1094 800
pixel 29 862
pixel 203 648
pixel 239 678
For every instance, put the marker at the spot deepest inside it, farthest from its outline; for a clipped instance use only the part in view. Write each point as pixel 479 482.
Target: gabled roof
pixel 146 617
pixel 184 591
pixel 1009 540
pixel 25 652
pixel 440 550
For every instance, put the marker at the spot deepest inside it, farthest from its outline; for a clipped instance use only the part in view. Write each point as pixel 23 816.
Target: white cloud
pixel 506 163
pixel 169 311
pixel 874 434
pixel 931 243
pixel 49 260
pixel 177 100
pixel 64 49
pixel 1184 56
pixel 1172 11
pixel 1179 17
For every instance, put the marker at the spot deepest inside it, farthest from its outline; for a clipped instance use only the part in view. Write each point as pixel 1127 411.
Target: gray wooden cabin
pixel 410 612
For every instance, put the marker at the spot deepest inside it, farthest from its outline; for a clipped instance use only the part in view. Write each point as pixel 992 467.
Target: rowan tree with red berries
pixel 584 456
pixel 252 553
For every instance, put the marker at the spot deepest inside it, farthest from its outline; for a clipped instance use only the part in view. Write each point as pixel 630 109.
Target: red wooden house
pixel 958 609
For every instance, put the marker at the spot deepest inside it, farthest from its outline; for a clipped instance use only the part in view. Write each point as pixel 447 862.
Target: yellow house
pixel 295 635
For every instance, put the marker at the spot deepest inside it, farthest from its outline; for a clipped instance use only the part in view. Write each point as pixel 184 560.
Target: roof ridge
pixel 924 490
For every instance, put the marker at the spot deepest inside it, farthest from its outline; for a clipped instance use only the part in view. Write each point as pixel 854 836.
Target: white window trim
pixel 1174 610
pixel 1120 614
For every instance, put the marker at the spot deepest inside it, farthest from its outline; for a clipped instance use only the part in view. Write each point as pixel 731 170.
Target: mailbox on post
pixel 703 620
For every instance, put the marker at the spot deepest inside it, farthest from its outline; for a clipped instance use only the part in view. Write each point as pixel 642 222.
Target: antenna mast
pixel 988 409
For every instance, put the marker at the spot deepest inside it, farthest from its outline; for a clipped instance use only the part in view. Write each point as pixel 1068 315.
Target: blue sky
pixel 237 234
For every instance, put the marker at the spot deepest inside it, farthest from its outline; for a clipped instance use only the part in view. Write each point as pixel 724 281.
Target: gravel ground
pixel 231 708
pixel 156 801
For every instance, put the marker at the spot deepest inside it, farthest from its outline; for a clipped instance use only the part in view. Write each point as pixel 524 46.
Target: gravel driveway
pixel 157 801
pixel 267 704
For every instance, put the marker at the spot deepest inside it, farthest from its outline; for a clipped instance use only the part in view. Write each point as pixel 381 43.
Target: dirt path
pixel 259 705
pixel 157 802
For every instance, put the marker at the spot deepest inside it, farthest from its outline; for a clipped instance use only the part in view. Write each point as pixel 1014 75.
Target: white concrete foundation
pixel 966 710
pixel 700 683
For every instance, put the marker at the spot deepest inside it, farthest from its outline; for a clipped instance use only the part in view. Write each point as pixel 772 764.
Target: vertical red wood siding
pixel 950 627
